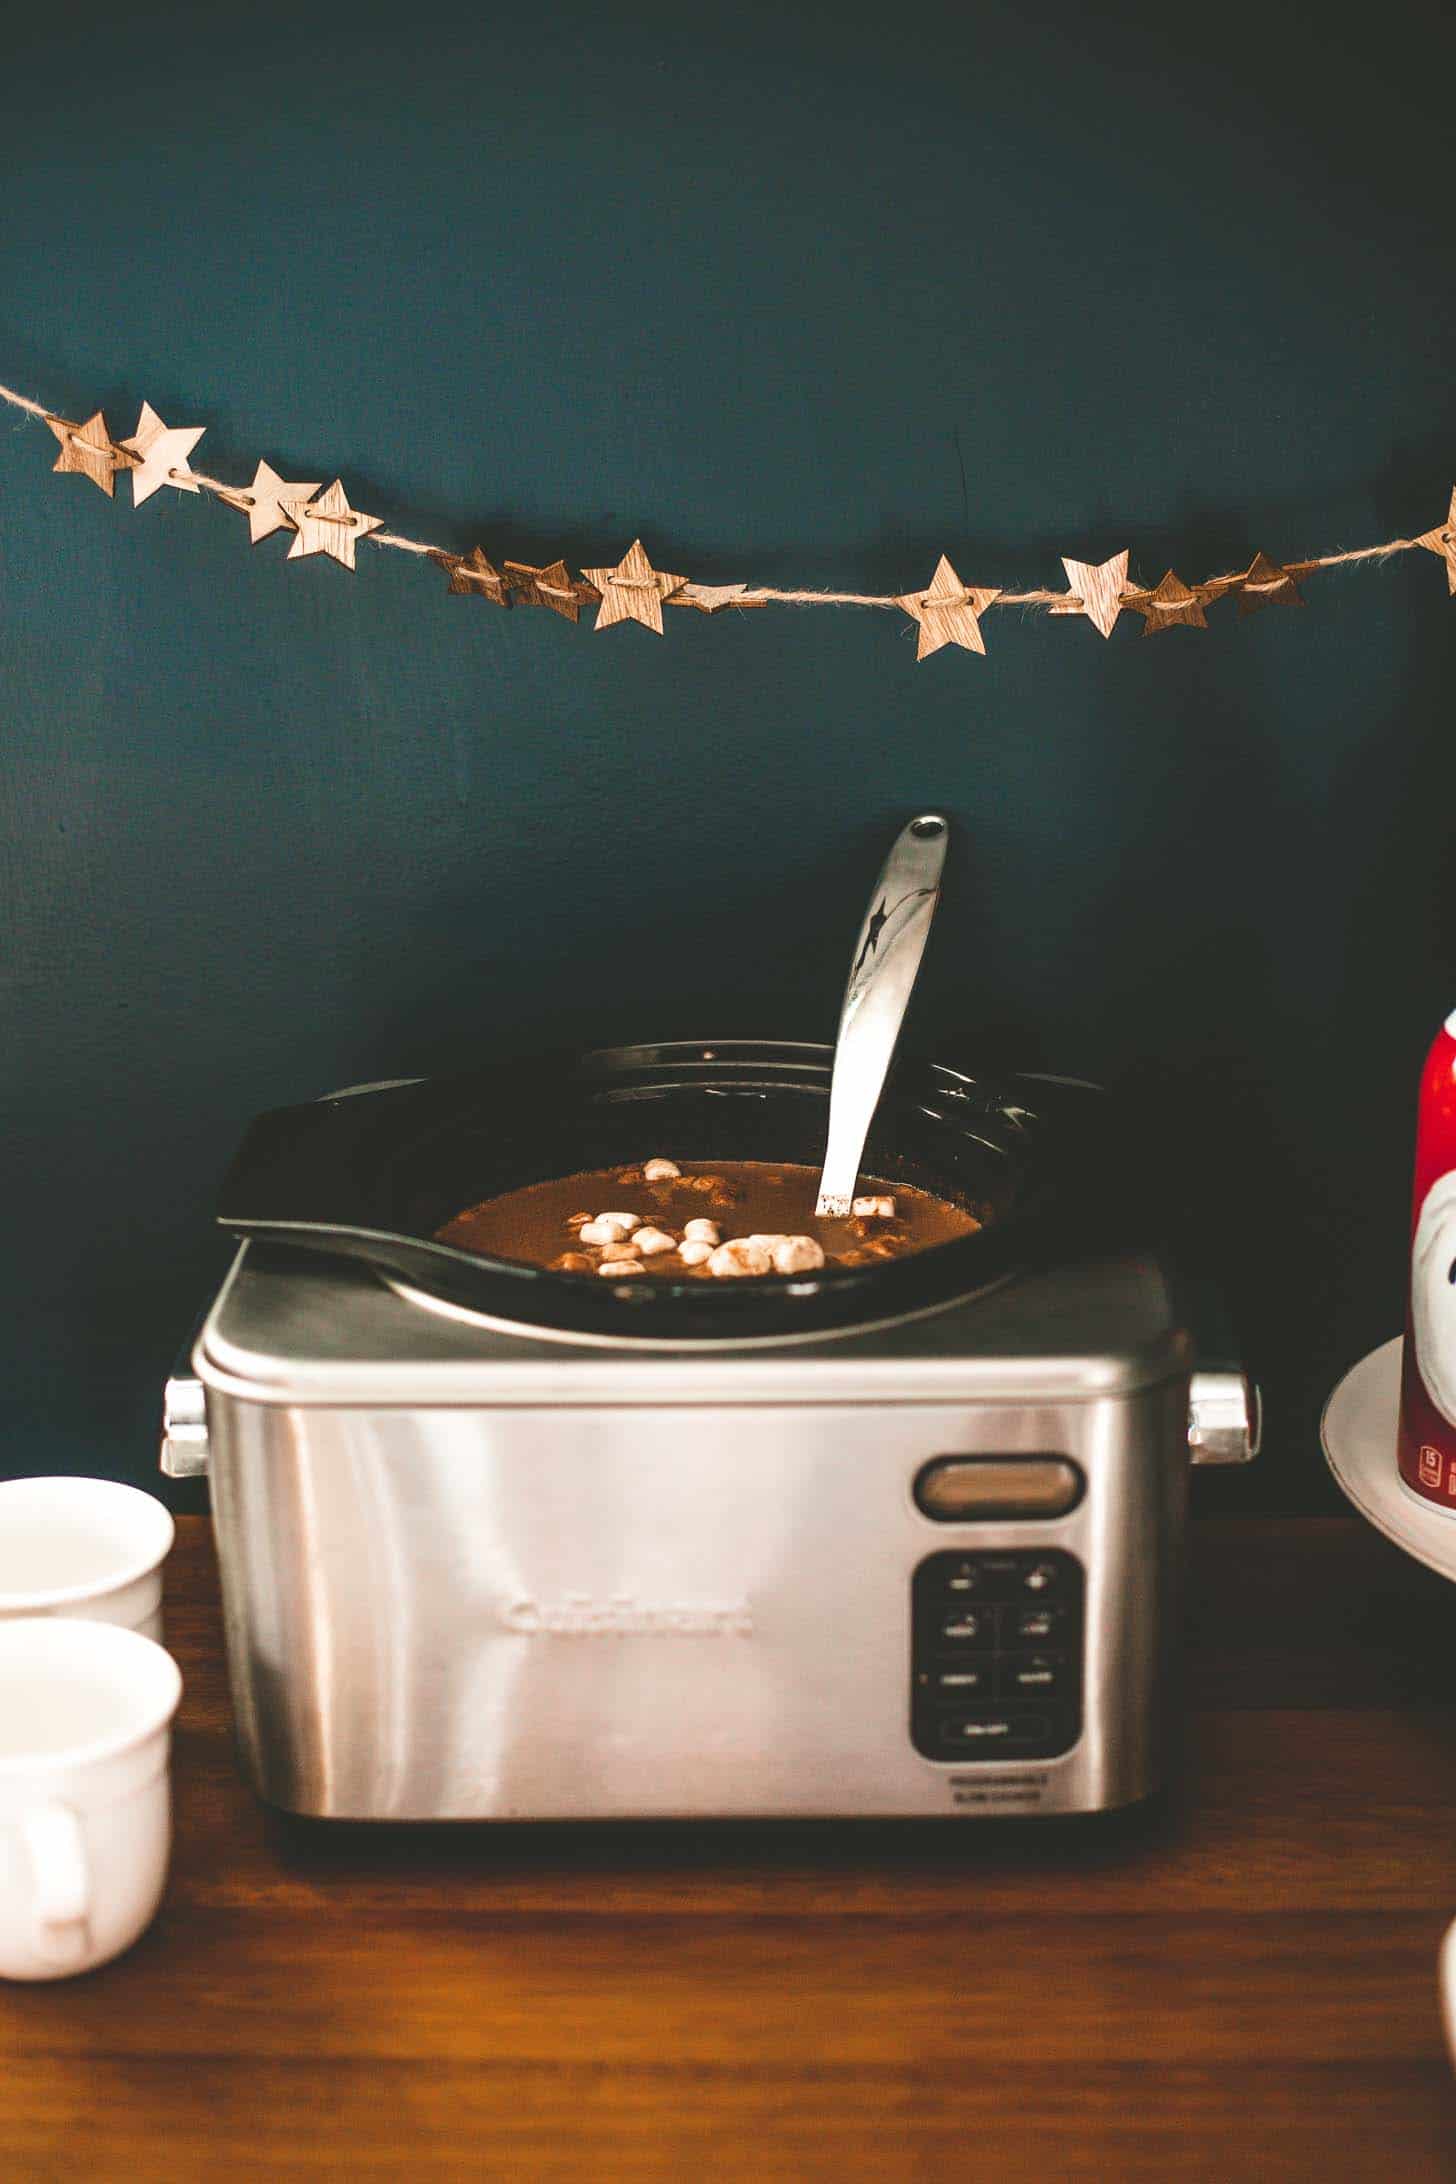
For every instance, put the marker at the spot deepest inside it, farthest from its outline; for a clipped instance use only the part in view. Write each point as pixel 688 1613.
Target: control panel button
pixel 968 1627
pixel 1029 1626
pixel 985 1733
pixel 983 1489
pixel 1041 1577
pixel 966 1680
pixel 1031 1676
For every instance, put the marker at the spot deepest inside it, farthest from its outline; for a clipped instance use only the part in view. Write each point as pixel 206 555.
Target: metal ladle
pixel 881 981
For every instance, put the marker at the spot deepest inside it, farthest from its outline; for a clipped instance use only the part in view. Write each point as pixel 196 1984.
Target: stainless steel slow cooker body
pixel 372 1176
pixel 565 1551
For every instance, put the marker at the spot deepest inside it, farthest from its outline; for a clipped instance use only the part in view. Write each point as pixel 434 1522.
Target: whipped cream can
pixel 1427 1436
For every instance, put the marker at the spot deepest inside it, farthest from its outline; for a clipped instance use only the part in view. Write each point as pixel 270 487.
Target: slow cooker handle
pixel 1225 1408
pixel 301 1166
pixel 1225 1416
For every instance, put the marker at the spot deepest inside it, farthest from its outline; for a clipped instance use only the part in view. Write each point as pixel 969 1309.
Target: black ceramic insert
pixel 371 1176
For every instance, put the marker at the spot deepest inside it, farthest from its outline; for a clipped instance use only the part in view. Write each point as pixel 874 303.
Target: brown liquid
pixel 540 1223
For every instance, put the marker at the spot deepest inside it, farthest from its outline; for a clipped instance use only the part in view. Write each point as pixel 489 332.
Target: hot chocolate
pixel 701 1221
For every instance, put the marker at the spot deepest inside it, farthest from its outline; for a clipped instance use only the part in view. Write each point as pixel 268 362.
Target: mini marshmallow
pixel 626 1222
pixel 880 1207
pixel 606 1229
pixel 660 1171
pixel 621 1266
pixel 740 1255
pixel 648 1240
pixel 703 1232
pixel 797 1255
pixel 575 1220
pixel 696 1250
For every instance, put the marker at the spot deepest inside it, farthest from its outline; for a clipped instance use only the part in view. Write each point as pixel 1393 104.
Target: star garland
pixel 946 613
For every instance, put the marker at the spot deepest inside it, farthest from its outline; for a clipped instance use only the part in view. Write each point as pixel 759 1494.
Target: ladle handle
pixel 886 961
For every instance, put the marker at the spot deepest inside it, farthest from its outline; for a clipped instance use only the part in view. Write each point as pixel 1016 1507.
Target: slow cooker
pixel 501 1543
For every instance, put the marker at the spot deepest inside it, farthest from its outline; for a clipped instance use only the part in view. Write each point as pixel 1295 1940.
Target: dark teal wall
pixel 802 305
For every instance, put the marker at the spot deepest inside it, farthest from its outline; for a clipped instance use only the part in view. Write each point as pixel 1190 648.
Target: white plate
pixel 1358 1430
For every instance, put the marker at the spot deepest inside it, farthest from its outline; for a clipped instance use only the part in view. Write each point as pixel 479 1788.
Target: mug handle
pixel 53 1841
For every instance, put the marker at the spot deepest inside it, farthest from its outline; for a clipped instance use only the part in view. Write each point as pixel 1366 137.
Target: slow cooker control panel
pixel 996 1655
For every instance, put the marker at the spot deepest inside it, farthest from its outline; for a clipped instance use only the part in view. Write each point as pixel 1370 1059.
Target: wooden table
pixel 1239 1985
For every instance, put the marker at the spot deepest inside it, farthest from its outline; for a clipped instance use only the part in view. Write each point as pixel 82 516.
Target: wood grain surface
pixel 1237 1982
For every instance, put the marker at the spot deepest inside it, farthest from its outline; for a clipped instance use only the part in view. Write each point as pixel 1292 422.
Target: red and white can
pixel 1427 1439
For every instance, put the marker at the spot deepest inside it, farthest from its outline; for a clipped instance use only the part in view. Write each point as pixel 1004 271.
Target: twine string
pixel 400 545
pixel 35 409
pixel 328 515
pixel 232 494
pixel 1039 599
pixel 764 594
pixel 123 458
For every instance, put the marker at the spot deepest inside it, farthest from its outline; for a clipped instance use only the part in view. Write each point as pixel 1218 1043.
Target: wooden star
pixel 329 525
pixel 266 498
pixel 709 598
pixel 1266 583
pixel 163 450
pixel 946 612
pixel 474 574
pixel 1441 541
pixel 88 449
pixel 554 587
pixel 1171 605
pixel 1095 589
pixel 633 591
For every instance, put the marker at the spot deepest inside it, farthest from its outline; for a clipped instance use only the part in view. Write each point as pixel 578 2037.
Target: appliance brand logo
pixel 577 1615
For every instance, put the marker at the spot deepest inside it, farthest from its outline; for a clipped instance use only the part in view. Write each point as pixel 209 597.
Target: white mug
pixel 87 1547
pixel 85 1810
